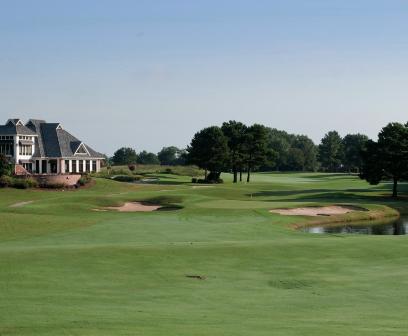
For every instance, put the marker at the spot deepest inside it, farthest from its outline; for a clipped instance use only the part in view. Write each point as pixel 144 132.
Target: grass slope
pixel 67 270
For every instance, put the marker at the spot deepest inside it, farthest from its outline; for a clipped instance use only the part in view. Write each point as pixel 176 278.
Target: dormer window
pixel 82 150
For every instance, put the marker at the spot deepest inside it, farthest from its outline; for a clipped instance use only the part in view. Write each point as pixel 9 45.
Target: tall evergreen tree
pixel 255 148
pixel 235 134
pixel 209 151
pixel 388 157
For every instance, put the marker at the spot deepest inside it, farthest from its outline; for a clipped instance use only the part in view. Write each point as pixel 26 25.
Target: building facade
pixel 46 148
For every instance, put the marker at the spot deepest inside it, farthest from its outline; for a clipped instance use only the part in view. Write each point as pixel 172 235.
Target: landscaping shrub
pixel 6 181
pixel 85 179
pixel 20 183
pixel 194 180
pixel 31 183
pixel 132 167
pixel 46 185
pixel 127 178
pixel 167 171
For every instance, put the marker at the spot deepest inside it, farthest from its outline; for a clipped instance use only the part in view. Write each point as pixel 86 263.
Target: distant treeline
pixel 168 156
pixel 237 148
pixel 240 148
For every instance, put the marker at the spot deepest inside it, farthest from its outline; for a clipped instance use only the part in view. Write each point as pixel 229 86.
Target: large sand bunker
pixel 317 211
pixel 134 207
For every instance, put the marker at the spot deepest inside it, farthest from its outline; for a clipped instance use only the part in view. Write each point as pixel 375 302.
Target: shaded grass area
pixel 65 269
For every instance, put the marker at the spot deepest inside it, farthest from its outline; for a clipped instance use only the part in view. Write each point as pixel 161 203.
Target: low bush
pixel 20 183
pixel 31 183
pixel 203 181
pixel 46 185
pixel 167 171
pixel 127 178
pixel 6 181
pixel 85 179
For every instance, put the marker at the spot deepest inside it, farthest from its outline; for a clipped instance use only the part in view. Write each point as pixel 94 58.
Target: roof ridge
pixel 58 140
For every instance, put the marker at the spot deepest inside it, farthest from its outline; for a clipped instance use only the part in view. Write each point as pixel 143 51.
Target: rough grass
pixel 67 270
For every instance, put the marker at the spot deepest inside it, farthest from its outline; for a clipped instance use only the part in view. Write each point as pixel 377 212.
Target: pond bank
pixel 352 217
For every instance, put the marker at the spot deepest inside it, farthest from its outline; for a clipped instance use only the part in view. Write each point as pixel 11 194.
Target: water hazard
pixel 394 227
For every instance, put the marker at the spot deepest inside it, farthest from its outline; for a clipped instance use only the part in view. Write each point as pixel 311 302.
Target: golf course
pixel 212 260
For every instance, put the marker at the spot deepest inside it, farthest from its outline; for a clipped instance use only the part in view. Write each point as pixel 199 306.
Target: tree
pixel 255 147
pixel 124 156
pixel 235 134
pixel 331 152
pixel 5 167
pixel 281 148
pixel 308 150
pixel 279 144
pixel 145 157
pixel 209 151
pixel 296 159
pixel 388 157
pixel 171 156
pixel 353 145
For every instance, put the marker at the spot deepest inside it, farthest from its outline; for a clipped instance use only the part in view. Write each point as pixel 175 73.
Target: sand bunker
pixel 20 204
pixel 135 207
pixel 316 211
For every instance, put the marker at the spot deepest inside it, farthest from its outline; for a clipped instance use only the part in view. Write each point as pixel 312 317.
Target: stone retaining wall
pixel 67 179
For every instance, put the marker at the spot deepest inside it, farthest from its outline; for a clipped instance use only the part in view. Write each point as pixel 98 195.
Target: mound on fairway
pixel 317 211
pixel 135 207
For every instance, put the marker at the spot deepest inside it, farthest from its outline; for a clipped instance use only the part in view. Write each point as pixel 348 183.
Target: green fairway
pixel 66 269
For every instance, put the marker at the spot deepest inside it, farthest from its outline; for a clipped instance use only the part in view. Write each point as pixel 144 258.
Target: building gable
pixel 82 150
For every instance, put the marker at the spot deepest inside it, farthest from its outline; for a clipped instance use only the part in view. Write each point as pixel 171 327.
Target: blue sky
pixel 151 73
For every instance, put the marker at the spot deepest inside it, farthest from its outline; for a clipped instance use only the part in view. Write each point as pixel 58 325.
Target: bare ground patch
pixel 318 211
pixel 20 204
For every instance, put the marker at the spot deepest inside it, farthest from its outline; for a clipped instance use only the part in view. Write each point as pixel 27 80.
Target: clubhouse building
pixel 38 147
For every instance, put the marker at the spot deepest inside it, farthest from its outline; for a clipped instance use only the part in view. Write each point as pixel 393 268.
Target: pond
pixel 393 227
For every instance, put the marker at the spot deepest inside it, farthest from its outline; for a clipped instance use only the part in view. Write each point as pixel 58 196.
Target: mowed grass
pixel 68 270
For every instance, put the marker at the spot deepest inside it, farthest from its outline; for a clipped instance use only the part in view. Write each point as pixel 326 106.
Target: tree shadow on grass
pixel 281 193
pixel 328 175
pixel 160 182
pixel 343 197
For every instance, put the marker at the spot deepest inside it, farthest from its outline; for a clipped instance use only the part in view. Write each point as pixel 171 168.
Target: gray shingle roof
pixel 52 141
pixel 34 125
pixel 11 128
pixel 57 142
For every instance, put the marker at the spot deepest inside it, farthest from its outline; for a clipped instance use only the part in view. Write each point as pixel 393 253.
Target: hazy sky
pixel 151 73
